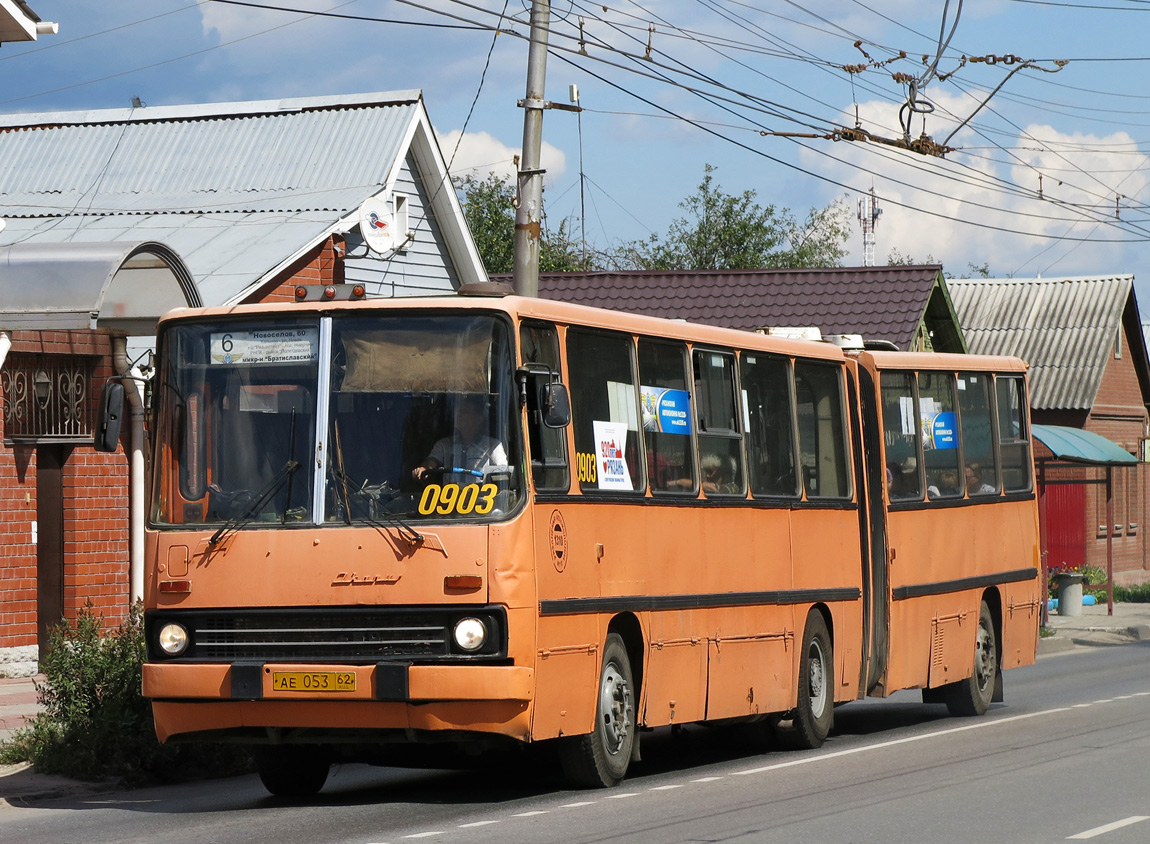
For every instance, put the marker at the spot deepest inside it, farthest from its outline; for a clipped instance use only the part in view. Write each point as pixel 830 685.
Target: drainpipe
pixel 134 391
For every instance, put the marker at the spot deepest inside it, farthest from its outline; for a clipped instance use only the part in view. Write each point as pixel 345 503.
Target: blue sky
pixel 1048 174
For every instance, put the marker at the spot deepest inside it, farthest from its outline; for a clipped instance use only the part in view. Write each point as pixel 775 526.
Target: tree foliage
pixel 729 231
pixel 489 207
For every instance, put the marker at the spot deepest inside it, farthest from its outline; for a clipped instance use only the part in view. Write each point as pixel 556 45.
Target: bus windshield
pixel 357 418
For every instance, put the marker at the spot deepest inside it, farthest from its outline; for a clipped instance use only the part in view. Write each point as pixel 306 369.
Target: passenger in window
pixel 718 475
pixel 904 479
pixel 469 454
pixel 947 485
pixel 974 484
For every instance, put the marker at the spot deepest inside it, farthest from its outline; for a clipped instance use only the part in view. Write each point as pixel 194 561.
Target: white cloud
pixel 480 154
pixel 977 206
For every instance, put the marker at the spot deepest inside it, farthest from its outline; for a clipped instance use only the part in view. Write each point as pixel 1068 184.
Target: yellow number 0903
pixel 452 498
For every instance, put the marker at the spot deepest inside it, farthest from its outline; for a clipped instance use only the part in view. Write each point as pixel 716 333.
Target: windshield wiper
pixel 261 499
pixel 385 518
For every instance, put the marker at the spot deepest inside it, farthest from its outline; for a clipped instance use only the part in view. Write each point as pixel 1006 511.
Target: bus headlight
pixel 470 634
pixel 173 639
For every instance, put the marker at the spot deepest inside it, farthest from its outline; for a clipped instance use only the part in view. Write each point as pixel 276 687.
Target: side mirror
pixel 111 414
pixel 556 405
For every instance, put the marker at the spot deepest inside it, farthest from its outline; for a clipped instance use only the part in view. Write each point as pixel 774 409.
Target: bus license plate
pixel 313 681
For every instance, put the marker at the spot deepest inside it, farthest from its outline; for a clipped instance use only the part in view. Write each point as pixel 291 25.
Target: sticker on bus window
pixel 665 411
pixel 610 439
pixel 943 431
pixel 279 345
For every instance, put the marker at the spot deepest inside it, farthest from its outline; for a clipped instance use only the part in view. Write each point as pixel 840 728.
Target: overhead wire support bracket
pixel 547 104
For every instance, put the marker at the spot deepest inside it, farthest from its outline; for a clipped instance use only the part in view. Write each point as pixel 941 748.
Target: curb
pixel 1055 645
pixel 21 786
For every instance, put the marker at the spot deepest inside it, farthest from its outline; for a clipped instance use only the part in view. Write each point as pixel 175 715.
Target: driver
pixel 468 448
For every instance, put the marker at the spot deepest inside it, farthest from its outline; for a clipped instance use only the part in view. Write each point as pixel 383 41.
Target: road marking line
pixel 621 796
pixel 1110 827
pixel 423 835
pixel 529 814
pixel 1107 700
pixel 893 743
pixel 1082 706
pixel 476 823
pixel 664 787
pixel 577 805
pixel 707 779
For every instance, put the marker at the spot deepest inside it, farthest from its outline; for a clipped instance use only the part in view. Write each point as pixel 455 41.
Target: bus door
pixel 872 516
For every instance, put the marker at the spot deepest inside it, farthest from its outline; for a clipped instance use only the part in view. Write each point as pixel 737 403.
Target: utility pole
pixel 868 217
pixel 529 213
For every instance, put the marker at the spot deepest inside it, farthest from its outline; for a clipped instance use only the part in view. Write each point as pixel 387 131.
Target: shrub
pixel 95 723
pixel 1139 594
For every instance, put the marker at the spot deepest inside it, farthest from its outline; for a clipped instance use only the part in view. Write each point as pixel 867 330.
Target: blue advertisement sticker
pixel 666 411
pixel 944 430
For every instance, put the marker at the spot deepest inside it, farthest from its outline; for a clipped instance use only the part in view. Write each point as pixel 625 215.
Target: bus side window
pixel 769 422
pixel 666 411
pixel 939 434
pixel 822 433
pixel 978 452
pixel 605 411
pixel 548 446
pixel 900 435
pixel 1013 433
pixel 720 442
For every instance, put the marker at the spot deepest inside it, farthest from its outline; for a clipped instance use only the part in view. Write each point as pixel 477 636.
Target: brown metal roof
pixel 880 303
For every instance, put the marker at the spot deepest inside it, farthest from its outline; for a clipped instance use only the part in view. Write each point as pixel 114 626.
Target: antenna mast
pixel 869 213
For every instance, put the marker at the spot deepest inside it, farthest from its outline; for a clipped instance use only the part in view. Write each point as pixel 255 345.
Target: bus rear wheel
pixel 813 716
pixel 972 696
pixel 600 759
pixel 292 770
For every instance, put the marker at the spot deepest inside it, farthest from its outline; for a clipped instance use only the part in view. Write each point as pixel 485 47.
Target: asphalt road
pixel 1065 757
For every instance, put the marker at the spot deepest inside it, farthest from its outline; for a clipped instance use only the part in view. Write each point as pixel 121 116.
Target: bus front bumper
pixel 216 701
pixel 382 682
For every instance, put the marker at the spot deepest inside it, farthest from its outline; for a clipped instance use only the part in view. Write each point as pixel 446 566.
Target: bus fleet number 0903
pixel 447 499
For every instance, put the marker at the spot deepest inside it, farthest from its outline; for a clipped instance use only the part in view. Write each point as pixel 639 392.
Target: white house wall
pixel 418 270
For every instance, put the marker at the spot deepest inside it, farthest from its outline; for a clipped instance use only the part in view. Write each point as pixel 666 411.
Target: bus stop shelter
pixel 1076 447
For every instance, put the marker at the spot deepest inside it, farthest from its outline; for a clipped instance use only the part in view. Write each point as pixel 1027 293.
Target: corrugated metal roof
pixel 1065 328
pixel 234 188
pixel 182 160
pixel 881 303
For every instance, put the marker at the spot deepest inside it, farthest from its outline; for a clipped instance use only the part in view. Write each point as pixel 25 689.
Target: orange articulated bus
pixel 480 521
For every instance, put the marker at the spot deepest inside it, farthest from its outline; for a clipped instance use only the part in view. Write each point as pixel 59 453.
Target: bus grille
pixel 350 636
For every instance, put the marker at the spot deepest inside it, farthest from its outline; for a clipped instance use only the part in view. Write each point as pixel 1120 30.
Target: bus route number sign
pixel 313 681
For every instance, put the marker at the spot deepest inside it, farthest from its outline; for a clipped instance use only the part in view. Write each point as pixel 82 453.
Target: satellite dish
pixel 377 224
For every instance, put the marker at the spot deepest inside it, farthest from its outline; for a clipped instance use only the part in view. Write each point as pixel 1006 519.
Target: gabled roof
pixel 1065 328
pixel 239 190
pixel 880 303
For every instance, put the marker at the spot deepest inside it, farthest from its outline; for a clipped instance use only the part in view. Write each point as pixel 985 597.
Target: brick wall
pixel 1119 415
pixel 322 265
pixel 95 513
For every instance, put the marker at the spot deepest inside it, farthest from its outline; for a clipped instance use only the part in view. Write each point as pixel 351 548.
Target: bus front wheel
pixel 972 696
pixel 292 770
pixel 600 759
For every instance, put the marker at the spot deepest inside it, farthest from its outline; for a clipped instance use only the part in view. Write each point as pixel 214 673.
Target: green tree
pixel 489 207
pixel 728 231
pixel 895 258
